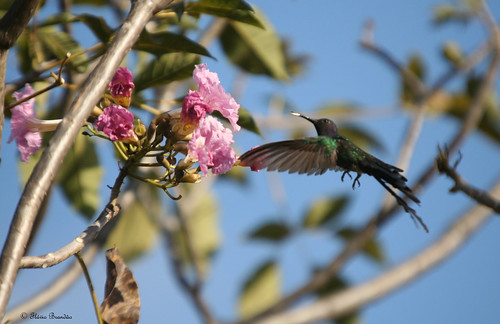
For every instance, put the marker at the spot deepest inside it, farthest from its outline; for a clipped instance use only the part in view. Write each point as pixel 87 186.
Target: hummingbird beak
pixel 303 116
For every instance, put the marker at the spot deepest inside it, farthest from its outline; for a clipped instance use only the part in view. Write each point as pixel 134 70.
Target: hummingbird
pixel 329 151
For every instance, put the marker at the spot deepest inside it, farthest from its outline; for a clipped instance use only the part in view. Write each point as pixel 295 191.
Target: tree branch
pixel 338 304
pixel 55 288
pixel 90 233
pixel 53 156
pixel 481 196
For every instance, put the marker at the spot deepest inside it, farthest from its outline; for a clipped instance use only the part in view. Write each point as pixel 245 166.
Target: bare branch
pixel 90 233
pixel 341 303
pixel 408 76
pixel 53 156
pixel 53 289
pixel 481 196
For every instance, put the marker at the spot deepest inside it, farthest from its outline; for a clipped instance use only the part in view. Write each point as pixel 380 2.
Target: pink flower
pixel 193 108
pixel 116 122
pixel 28 139
pixel 211 146
pixel 214 95
pixel 121 86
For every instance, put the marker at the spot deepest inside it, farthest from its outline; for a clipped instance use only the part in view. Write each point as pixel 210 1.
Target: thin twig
pixel 408 76
pixel 481 196
pixel 78 255
pixel 58 81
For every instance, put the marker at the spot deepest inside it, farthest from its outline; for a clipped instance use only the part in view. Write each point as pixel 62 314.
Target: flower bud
pixel 181 148
pixel 184 163
pixel 191 178
pixel 140 129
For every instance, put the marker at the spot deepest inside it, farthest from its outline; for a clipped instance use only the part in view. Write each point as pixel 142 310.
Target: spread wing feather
pixel 312 155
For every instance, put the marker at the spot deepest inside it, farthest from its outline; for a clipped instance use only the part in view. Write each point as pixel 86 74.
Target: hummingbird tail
pixel 403 204
pixel 389 174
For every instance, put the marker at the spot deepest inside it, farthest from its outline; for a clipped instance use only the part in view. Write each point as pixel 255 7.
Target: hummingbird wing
pixel 311 155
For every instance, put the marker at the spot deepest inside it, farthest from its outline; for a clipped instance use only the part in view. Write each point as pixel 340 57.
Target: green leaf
pixel 446 13
pixel 98 26
pixel 59 43
pixel 372 248
pixel 24 51
pixel 261 290
pixel 416 65
pixel 338 109
pixel 271 231
pixel 236 10
pixel 236 174
pixel 165 69
pixel 167 42
pixel 245 120
pixel 201 219
pixel 323 210
pixel 255 50
pixel 57 19
pixel 135 231
pixel 452 53
pixel 99 3
pixel 80 176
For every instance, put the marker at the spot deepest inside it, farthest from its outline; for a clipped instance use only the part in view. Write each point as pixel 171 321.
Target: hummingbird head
pixel 324 126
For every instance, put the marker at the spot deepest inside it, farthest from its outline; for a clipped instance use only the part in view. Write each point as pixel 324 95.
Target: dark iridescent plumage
pixel 328 151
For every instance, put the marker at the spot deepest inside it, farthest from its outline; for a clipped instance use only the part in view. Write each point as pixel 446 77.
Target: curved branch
pixel 55 288
pixel 78 243
pixel 481 196
pixel 44 173
pixel 341 303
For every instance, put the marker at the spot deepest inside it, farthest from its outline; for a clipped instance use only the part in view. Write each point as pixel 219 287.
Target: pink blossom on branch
pixel 27 141
pixel 214 95
pixel 193 108
pixel 116 122
pixel 211 146
pixel 121 86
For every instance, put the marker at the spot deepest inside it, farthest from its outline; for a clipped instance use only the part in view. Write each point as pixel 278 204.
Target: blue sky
pixel 463 289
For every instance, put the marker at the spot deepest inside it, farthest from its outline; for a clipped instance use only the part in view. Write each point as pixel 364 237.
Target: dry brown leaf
pixel 121 295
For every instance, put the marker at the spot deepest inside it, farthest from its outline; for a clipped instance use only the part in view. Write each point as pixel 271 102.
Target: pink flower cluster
pixel 211 146
pixel 116 121
pixel 211 141
pixel 28 140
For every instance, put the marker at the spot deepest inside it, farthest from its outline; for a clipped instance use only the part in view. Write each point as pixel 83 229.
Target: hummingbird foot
pixel 343 175
pixel 356 180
